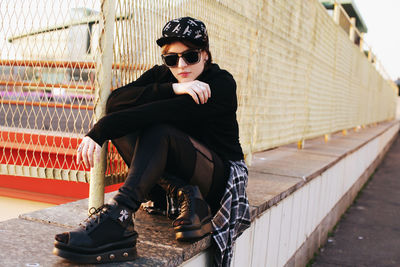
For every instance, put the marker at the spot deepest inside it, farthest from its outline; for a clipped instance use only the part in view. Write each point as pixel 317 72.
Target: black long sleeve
pixel 213 123
pixel 155 84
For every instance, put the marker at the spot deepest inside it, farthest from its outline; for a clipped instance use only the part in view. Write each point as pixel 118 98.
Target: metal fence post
pixel 362 43
pixel 352 31
pixel 336 13
pixel 103 87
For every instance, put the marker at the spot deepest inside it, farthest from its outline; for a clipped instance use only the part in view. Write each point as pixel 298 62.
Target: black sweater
pixel 151 100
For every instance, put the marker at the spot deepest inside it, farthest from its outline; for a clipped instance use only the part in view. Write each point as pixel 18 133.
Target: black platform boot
pixel 108 235
pixel 195 216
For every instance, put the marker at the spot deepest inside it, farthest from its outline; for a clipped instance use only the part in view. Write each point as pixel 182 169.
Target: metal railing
pixel 299 75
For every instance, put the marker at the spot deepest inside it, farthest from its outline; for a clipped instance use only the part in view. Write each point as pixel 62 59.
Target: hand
pixel 88 150
pixel 199 91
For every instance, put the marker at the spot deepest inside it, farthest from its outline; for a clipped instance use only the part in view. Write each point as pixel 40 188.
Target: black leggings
pixel 163 149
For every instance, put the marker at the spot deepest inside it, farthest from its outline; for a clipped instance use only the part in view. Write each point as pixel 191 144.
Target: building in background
pixel 352 11
pixel 70 41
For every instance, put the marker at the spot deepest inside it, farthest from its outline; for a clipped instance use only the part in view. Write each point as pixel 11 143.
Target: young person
pixel 176 127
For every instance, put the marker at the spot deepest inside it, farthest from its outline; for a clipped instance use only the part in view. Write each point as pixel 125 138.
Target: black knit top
pixel 151 100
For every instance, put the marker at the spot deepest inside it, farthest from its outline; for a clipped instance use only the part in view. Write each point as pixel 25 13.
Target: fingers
pixel 194 95
pixel 85 157
pixel 87 151
pixel 81 152
pixel 199 91
pixel 206 88
pixel 90 154
pixel 203 91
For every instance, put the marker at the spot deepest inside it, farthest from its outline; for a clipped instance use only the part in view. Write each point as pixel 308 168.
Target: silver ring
pixel 79 148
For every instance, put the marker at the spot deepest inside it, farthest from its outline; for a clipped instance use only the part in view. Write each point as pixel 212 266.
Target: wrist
pixel 175 87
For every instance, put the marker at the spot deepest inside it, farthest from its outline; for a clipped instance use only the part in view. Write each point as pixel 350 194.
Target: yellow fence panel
pixel 299 74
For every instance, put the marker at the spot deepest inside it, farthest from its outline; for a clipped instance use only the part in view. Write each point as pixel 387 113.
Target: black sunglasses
pixel 191 57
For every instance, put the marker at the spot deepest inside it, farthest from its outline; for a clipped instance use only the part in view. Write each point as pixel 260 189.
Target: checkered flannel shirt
pixel 234 215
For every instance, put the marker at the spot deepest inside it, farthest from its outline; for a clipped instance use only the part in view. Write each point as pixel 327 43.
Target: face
pixel 184 72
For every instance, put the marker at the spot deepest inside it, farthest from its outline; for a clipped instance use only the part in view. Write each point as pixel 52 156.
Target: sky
pixel 383 21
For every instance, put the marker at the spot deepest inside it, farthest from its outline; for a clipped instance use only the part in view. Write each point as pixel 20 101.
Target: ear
pixel 205 55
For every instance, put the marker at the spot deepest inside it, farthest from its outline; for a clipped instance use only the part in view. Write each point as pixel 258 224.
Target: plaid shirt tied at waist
pixel 234 215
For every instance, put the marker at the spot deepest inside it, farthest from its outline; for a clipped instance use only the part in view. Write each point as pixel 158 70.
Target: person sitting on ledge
pixel 178 119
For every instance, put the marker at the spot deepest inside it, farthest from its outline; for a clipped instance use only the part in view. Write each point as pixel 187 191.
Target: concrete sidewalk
pixel 369 232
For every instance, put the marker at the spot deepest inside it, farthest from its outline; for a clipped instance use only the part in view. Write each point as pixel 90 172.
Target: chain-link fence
pixel 47 78
pixel 299 74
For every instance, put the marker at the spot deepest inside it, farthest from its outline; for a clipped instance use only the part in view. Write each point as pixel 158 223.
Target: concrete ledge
pixel 277 173
pixel 156 245
pixel 281 182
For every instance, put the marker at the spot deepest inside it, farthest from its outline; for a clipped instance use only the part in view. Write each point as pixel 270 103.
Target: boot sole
pixel 129 242
pixel 189 235
pixel 116 251
pixel 126 254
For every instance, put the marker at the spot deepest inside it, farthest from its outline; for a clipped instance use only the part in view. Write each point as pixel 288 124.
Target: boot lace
pixel 95 216
pixel 185 201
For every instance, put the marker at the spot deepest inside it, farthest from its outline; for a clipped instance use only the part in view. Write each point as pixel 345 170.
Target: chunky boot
pixel 108 235
pixel 194 220
pixel 171 184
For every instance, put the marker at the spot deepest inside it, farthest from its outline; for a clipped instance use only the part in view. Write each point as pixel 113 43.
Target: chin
pixel 184 80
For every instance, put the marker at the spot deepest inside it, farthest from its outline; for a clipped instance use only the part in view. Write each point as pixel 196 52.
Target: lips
pixel 184 74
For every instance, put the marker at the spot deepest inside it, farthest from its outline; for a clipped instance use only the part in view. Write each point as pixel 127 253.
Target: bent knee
pixel 160 130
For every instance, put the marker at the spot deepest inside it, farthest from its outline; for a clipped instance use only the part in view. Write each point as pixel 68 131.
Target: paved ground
pixel 12 207
pixel 369 232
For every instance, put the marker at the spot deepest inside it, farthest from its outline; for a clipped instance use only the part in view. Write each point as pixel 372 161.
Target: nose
pixel 181 63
